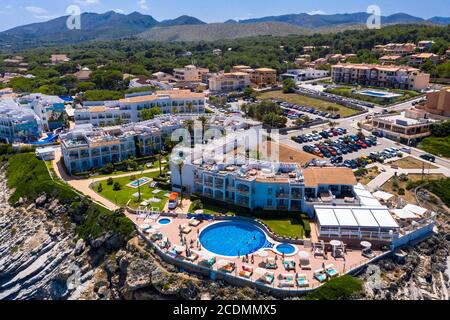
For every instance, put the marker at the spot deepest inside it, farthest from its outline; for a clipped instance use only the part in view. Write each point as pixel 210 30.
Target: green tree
pixel 288 86
pixel 148 114
pixel 117 186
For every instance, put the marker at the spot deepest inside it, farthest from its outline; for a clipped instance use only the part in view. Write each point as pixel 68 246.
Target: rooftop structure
pixel 438 103
pixel 304 74
pixel 229 81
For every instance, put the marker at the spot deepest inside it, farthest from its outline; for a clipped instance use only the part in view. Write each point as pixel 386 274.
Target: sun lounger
pixel 209 262
pixel 156 236
pixel 185 229
pixel 271 263
pixel 246 271
pixel 302 281
pixel 194 222
pixel 193 257
pixel 227 266
pixel 331 271
pixel 320 275
pixel 286 281
pixel 305 264
pixel 267 278
pixel 289 264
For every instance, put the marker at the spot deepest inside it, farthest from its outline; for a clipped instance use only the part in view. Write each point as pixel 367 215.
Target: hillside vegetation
pixel 29 178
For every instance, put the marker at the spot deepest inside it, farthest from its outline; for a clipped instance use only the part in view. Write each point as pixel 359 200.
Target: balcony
pixel 209 183
pixel 296 196
pixel 244 192
pixel 282 195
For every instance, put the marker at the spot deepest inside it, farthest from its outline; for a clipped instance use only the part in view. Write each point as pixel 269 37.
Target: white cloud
pixel 36 10
pixel 316 12
pixel 87 2
pixel 143 4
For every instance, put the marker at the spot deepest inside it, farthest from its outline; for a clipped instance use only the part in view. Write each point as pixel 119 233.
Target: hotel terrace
pixel 129 109
pixel 86 147
pixel 401 77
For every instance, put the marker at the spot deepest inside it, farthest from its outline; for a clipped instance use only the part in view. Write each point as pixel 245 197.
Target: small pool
pixel 139 182
pixel 164 221
pixel 233 238
pixel 379 94
pixel 286 249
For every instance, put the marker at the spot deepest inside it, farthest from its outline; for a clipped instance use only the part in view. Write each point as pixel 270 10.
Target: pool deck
pixel 353 258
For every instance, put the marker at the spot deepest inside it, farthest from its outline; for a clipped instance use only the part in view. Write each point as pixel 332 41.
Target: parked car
pixel 428 157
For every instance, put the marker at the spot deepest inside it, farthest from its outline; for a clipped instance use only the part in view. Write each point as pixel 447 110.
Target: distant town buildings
pixel 189 73
pixel 397 77
pixel 58 58
pixel 421 58
pixel 217 52
pixel 425 45
pixel 401 49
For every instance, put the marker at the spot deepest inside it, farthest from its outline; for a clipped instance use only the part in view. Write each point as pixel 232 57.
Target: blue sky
pixel 19 12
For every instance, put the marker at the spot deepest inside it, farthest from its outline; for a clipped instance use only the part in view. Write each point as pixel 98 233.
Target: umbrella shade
pixel 303 254
pixel 263 253
pixel 335 243
pixel 366 244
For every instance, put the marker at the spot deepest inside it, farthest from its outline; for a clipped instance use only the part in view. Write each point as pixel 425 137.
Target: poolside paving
pixel 353 258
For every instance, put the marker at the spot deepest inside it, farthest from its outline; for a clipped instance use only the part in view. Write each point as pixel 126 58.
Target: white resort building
pixel 129 109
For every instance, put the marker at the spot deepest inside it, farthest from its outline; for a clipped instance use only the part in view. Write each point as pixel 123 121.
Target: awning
pixel 381 195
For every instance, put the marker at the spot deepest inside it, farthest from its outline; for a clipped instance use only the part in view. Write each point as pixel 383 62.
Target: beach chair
pixel 185 229
pixel 192 258
pixel 246 271
pixel 331 271
pixel 305 264
pixel 156 236
pixel 289 264
pixel 228 267
pixel 286 281
pixel 194 222
pixel 208 262
pixel 319 250
pixel 368 253
pixel 271 263
pixel 302 281
pixel 320 275
pixel 267 278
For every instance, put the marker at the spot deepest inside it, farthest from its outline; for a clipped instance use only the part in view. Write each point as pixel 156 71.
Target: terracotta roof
pixel 97 109
pixel 330 176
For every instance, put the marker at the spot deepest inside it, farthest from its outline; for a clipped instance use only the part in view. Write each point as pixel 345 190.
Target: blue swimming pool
pixel 164 221
pixel 233 238
pixel 139 182
pixel 285 248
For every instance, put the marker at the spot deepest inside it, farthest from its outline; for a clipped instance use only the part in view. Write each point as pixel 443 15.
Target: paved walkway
pixel 384 177
pixel 82 185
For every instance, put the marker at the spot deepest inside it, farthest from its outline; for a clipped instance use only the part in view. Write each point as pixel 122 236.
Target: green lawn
pixel 347 91
pixel 289 228
pixel 214 210
pixel 437 146
pixel 307 101
pixel 122 196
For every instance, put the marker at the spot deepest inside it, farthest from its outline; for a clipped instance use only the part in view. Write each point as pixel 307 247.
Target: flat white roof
pixel 383 195
pixel 415 209
pixel 345 217
pixel 365 218
pixel 384 218
pixel 327 218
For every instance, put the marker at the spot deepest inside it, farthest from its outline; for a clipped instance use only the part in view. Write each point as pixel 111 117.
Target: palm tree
pixel 189 125
pixel 204 121
pixel 180 165
pixel 190 107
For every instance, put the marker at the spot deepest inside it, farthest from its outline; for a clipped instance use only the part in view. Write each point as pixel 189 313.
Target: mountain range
pixel 113 25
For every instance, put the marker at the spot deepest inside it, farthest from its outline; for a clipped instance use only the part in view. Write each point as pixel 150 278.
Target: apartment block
pixel 304 74
pixel 397 77
pixel 401 49
pixel 438 103
pixel 421 58
pixel 229 81
pixel 189 73
pixel 129 109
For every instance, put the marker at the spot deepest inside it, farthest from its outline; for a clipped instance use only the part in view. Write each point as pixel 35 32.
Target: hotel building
pixel 129 109
pixel 86 147
pixel 217 171
pixel 401 77
pixel 229 81
pixel 18 123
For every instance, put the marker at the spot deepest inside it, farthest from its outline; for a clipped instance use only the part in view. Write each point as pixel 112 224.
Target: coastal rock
pixel 79 247
pixel 41 200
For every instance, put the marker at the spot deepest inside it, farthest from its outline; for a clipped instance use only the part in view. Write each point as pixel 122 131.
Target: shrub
pixel 339 288
pixel 197 205
pixel 100 188
pixel 110 181
pixel 117 186
pixel 403 177
pixel 107 169
pixel 401 192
